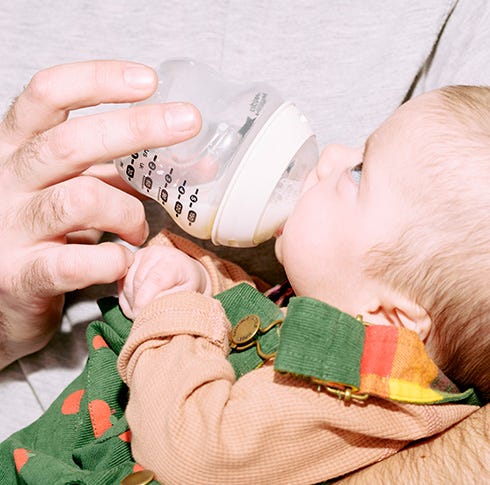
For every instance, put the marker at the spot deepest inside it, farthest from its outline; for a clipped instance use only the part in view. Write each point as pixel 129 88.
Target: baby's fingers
pixel 156 270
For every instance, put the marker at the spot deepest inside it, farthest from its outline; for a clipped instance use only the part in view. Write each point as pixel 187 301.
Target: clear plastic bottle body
pixel 190 179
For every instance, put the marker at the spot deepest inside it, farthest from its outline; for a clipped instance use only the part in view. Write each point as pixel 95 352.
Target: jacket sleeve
pixel 193 422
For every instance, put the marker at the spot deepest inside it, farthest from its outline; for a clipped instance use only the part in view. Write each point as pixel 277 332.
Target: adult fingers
pixel 108 174
pixel 55 91
pixel 65 268
pixel 70 148
pixel 84 203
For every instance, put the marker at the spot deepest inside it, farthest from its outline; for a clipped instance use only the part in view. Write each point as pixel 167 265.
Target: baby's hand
pixel 157 271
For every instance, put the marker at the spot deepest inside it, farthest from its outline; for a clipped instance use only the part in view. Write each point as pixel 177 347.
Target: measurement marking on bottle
pixel 191 217
pixel 148 183
pixel 168 177
pixel 178 208
pixel 162 195
pixel 181 189
pixel 130 171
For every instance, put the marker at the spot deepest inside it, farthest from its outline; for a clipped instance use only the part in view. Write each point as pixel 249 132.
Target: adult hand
pixel 47 193
pixel 157 271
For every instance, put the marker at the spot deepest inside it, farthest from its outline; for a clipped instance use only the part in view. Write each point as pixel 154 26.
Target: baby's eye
pixel 356 173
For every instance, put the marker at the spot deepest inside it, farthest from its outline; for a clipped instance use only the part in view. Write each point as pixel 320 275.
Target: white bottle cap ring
pixel 257 175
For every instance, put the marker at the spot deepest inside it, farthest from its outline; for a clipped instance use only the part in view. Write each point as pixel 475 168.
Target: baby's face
pixel 347 208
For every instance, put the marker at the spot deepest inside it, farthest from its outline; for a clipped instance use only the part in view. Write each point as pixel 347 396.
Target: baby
pixel 397 232
pixel 227 387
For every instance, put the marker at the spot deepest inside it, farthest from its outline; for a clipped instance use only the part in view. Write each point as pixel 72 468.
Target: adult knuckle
pixel 63 142
pixel 36 278
pixel 128 210
pixel 100 130
pixel 102 74
pixel 135 214
pixel 21 162
pixel 40 87
pixel 45 209
pixel 10 118
pixel 55 202
pixel 138 122
pixel 80 194
pixel 67 269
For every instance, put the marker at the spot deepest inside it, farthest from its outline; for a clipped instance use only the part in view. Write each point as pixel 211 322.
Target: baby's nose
pixel 333 157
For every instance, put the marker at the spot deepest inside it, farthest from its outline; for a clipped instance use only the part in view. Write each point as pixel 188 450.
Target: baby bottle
pixel 238 179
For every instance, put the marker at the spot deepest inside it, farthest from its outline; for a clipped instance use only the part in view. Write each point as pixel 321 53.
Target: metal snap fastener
pixel 244 331
pixel 243 335
pixel 143 477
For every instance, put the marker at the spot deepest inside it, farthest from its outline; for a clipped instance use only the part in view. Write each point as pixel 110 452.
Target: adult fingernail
pixel 139 77
pixel 181 117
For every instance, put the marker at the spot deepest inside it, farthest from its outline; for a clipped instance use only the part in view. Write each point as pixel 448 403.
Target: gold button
pixel 245 330
pixel 138 478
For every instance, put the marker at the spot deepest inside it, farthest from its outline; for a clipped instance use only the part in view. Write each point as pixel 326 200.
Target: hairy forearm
pixel 459 455
pixel 25 329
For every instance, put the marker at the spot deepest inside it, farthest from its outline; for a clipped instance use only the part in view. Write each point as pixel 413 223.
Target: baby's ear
pixel 392 308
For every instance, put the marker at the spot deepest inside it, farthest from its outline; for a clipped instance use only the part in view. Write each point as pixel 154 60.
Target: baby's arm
pixel 160 270
pixel 193 422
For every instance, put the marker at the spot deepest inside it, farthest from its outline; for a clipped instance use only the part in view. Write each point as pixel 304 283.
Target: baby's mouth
pixel 279 230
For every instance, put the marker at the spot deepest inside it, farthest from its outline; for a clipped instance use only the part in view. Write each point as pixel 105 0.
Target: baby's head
pixel 404 238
